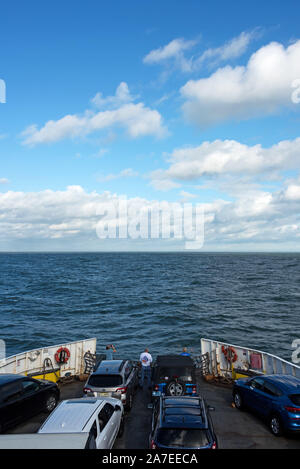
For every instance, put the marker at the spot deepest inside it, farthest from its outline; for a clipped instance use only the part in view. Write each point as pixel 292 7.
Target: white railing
pixel 33 361
pixel 246 359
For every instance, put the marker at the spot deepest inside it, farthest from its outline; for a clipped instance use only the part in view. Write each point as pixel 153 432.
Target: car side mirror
pixel 117 408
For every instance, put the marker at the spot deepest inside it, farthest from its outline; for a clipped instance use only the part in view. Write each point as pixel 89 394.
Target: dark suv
pixel 173 375
pixel 22 397
pixel 182 423
pixel 114 378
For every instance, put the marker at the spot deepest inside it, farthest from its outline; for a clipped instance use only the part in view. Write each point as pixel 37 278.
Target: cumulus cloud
pixel 229 157
pixel 263 86
pixel 70 218
pixel 137 120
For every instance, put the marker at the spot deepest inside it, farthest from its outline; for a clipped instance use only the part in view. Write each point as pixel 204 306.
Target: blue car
pixel 182 423
pixel 276 398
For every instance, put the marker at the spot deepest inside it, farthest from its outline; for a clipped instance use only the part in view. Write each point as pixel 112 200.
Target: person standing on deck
pixel 109 350
pixel 185 353
pixel 145 360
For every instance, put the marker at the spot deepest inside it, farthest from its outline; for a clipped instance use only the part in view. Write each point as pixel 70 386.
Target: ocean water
pixel 160 300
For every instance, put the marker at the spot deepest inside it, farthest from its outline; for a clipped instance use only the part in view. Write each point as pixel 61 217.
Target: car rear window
pixel 183 437
pixel 295 398
pixel 10 391
pixel 105 381
pixel 185 374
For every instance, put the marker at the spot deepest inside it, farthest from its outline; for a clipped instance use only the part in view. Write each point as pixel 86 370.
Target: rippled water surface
pixel 161 300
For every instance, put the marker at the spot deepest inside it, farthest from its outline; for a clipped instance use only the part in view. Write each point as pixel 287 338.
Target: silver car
pixel 98 421
pixel 114 378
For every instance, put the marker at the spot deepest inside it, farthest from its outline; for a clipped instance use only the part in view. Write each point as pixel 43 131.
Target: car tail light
pixel 86 390
pixel 214 445
pixel 194 389
pixel 152 445
pixel 122 390
pixel 293 410
pixel 156 387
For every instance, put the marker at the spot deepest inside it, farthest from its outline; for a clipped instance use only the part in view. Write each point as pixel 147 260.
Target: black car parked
pixel 182 423
pixel 22 397
pixel 173 375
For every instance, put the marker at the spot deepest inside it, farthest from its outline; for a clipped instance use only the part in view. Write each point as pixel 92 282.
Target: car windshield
pixel 295 398
pixel 183 437
pixel 105 381
pixel 183 373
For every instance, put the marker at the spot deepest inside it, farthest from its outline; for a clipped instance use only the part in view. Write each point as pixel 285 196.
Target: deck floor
pixel 234 429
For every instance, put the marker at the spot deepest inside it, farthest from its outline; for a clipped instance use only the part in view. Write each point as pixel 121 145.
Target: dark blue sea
pixel 160 300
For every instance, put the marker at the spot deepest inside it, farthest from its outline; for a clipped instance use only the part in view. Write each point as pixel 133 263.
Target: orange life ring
pixel 232 356
pixel 62 355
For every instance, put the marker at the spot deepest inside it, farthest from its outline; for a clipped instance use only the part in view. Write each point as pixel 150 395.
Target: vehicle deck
pixel 234 429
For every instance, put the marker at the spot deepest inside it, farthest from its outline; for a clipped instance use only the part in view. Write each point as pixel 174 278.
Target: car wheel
pixel 276 425
pixel 175 388
pixel 50 403
pixel 129 405
pixel 238 401
pixel 121 429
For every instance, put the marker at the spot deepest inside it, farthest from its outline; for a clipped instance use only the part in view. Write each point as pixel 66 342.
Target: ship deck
pixel 234 429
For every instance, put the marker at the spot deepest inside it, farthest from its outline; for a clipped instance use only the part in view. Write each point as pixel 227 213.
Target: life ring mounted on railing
pixel 62 355
pixel 230 354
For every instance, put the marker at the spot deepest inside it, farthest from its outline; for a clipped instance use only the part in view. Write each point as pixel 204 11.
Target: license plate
pixel 156 393
pixel 103 394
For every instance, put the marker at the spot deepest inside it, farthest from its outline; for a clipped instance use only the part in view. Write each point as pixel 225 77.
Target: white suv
pixel 101 419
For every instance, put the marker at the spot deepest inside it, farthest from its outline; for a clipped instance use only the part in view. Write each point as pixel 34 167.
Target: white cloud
pixel 230 50
pixel 125 173
pixel 175 52
pixel 187 195
pixel 121 97
pixel 263 86
pixel 100 153
pixel 161 182
pixel 292 192
pixel 136 119
pixel 172 51
pixel 4 181
pixel 229 157
pixel 68 219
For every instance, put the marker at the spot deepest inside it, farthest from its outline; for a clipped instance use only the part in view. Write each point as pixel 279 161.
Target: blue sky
pixel 156 101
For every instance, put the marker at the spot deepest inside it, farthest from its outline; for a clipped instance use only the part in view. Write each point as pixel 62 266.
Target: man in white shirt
pixel 145 360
